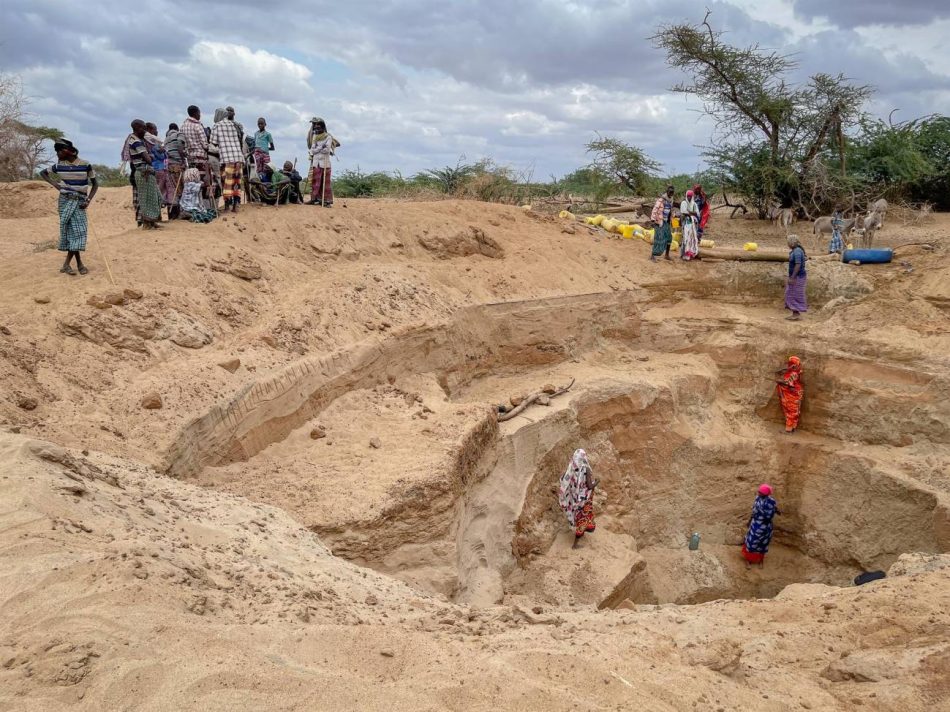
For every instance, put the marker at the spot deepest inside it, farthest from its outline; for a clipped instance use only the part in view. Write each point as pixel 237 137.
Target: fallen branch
pixel 502 417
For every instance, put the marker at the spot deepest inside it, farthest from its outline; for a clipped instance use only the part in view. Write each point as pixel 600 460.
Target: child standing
pixel 263 145
pixel 836 245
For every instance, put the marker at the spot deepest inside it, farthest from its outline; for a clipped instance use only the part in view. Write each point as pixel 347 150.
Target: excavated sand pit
pixel 324 506
pixel 680 439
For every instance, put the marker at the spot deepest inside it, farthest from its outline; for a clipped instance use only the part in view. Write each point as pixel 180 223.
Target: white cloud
pixel 411 84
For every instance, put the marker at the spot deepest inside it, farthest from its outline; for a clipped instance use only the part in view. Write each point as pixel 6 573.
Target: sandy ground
pixel 328 379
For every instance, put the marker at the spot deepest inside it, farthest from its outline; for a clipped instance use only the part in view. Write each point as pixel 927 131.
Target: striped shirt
pixel 194 135
pixel 74 176
pixel 227 136
pixel 176 146
pixel 139 155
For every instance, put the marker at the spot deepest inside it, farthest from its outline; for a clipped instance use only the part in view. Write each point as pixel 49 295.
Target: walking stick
pixel 105 257
pixel 323 181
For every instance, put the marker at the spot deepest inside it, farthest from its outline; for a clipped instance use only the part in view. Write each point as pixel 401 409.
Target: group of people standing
pixel 577 485
pixel 694 212
pixel 194 165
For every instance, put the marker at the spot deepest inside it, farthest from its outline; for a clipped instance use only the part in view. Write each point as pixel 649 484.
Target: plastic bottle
pixel 694 541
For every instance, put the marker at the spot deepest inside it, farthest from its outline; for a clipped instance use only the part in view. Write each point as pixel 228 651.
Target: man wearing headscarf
pixel 228 137
pixel 322 146
pixel 76 182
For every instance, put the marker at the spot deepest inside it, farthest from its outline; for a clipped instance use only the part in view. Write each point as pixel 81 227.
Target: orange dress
pixel 790 393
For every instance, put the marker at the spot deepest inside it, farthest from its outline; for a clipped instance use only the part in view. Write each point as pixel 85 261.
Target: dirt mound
pixel 325 470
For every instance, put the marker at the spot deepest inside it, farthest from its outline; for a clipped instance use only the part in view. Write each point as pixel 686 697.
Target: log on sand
pixel 720 253
pixel 502 417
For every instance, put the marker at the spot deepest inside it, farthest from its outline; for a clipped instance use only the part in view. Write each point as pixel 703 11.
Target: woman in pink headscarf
pixel 759 536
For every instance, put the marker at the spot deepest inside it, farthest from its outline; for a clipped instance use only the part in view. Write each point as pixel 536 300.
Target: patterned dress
pixel 791 392
pixel 663 234
pixel 575 497
pixel 759 536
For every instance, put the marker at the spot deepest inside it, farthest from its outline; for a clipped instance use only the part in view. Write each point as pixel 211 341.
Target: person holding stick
pixel 76 182
pixel 177 151
pixel 322 146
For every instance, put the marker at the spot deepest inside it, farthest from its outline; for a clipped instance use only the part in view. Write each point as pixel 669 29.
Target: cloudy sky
pixel 412 84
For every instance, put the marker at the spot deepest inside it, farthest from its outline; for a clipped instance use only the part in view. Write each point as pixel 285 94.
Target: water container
pixel 870 256
pixel 694 541
pixel 750 246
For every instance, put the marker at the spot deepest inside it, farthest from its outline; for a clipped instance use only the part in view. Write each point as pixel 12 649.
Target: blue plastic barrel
pixel 871 256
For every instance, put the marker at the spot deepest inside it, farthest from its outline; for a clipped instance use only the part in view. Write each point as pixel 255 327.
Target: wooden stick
pixel 502 417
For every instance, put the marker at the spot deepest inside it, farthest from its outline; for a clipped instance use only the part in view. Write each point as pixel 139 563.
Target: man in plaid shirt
pixel 196 143
pixel 228 136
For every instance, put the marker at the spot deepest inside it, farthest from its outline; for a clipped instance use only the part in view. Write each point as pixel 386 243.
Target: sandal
pixel 84 270
pixel 68 270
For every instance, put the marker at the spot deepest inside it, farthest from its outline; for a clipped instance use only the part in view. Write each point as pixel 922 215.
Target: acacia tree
pixel 783 128
pixel 23 148
pixel 628 165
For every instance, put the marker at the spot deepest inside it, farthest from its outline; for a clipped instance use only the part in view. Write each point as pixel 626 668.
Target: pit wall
pixel 483 339
pixel 672 461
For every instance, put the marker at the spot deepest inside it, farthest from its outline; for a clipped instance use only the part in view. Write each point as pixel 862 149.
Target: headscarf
pixel 573 493
pixel 765 490
pixel 794 241
pixel 318 136
pixel 191 175
pixel 795 363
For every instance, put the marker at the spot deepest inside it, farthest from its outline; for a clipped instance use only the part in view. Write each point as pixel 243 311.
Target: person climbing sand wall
pixel 759 535
pixel 576 495
pixel 791 392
